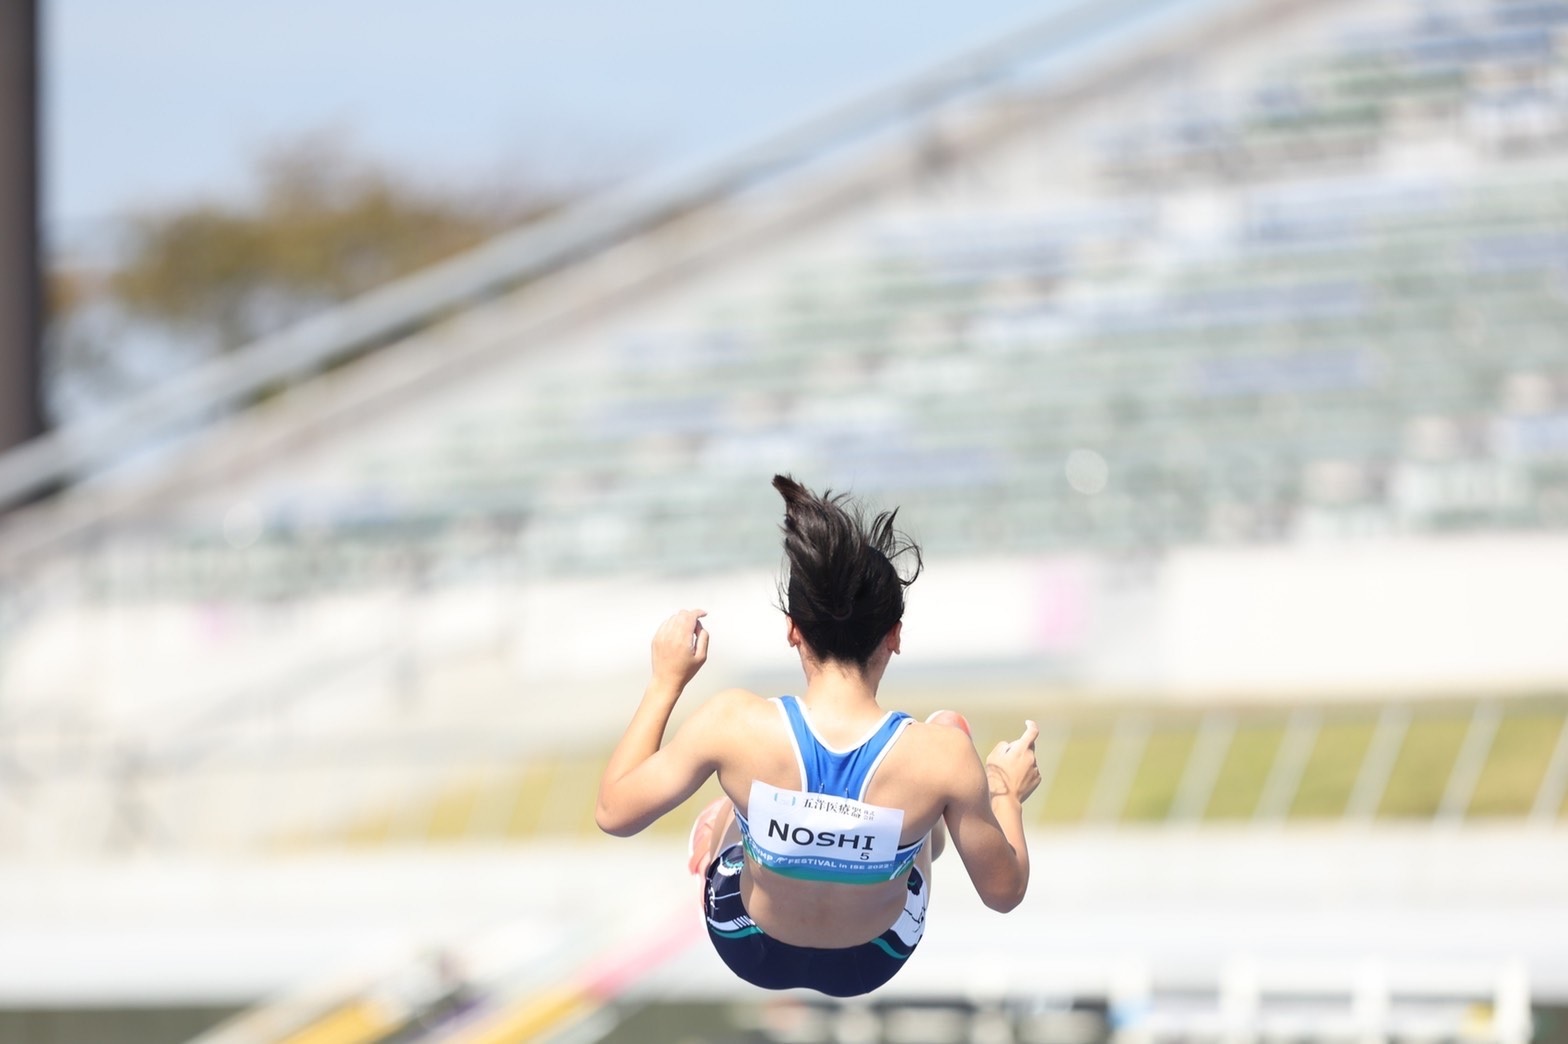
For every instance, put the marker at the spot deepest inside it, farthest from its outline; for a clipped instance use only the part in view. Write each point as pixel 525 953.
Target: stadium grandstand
pixel 1216 354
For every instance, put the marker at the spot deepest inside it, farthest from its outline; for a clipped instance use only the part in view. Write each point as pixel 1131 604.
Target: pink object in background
pixel 1062 605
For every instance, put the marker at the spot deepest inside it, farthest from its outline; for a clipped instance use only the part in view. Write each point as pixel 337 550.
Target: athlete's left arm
pixel 646 777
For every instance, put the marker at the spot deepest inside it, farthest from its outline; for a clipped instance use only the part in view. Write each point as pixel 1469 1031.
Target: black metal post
pixel 21 283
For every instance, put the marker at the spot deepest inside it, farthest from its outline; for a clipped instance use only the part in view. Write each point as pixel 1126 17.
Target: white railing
pixel 381 315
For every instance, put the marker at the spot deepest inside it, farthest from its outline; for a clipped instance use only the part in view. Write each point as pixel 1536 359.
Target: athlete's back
pixel 919 774
pixel 818 859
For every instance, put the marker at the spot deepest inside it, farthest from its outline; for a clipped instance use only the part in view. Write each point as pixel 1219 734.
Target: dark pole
pixel 21 284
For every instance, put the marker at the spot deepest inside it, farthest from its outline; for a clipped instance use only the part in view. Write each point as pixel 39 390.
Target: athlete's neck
pixel 839 688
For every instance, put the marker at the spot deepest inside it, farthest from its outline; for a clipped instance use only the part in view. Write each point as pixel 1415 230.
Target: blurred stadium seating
pixel 1269 277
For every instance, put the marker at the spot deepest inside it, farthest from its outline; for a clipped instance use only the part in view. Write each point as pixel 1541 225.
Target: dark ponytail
pixel 842 590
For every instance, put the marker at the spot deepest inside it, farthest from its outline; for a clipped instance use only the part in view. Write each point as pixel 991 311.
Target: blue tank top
pixel 826 831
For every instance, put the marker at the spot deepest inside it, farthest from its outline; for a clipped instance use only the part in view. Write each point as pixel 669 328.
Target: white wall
pixel 1391 616
pixel 1464 615
pixel 1472 613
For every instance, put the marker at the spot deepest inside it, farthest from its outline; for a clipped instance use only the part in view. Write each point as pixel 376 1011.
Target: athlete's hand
pixel 1011 768
pixel 680 648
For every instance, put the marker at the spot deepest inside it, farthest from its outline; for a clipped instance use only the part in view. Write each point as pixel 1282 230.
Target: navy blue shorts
pixel 775 965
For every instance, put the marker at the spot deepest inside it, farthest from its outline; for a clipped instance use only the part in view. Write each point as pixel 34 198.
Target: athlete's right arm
pixel 985 818
pixel 645 776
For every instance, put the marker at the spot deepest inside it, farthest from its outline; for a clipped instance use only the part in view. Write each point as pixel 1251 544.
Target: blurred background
pixel 374 379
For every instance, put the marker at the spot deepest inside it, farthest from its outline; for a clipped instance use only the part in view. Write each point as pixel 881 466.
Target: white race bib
pixel 818 835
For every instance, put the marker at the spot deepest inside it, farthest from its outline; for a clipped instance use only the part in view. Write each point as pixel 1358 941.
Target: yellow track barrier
pixel 530 1020
pixel 357 1022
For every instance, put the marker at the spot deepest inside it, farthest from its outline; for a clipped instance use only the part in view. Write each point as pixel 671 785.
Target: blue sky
pixel 157 100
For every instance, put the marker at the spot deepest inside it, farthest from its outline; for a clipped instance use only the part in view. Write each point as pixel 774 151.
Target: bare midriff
pixel 824 914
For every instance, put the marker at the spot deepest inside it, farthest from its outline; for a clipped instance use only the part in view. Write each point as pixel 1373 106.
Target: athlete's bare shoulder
pixel 932 757
pixel 731 710
pixel 941 738
pixel 748 737
pixel 946 755
pixel 738 702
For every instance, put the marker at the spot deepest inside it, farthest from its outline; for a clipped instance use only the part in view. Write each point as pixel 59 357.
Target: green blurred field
pixel 1107 765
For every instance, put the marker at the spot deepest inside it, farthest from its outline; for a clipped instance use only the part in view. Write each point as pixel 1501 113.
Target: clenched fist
pixel 680 648
pixel 1012 769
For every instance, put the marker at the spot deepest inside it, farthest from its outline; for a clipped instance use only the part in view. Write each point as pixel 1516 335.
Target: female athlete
pixel 817 861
